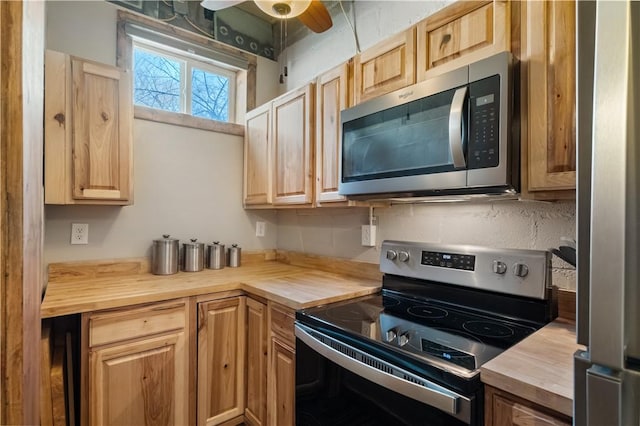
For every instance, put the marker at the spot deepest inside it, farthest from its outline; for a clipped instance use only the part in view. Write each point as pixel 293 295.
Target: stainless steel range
pixel 411 355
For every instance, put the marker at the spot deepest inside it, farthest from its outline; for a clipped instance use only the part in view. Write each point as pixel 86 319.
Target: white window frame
pixel 188 62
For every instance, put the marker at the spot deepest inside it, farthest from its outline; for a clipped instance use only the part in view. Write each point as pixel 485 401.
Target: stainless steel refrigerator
pixel 607 374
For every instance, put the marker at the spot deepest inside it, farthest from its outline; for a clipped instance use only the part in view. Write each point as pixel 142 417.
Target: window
pixel 170 81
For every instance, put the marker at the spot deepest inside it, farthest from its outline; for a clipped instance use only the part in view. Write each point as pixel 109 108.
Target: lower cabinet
pixel 257 351
pixel 138 366
pixel 281 377
pixel 206 360
pixel 221 360
pixel 505 409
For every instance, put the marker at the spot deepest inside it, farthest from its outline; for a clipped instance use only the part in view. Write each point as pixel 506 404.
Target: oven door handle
pixel 426 392
pixel 456 146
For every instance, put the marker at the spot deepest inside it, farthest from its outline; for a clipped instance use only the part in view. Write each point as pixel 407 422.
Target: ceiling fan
pixel 311 13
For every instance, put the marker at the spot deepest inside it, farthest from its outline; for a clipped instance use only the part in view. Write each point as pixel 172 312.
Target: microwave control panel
pixel 484 113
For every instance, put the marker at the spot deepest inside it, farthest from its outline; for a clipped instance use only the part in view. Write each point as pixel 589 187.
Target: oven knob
pixel 520 270
pixel 403 339
pixel 403 256
pixel 499 267
pixel 391 334
pixel 391 254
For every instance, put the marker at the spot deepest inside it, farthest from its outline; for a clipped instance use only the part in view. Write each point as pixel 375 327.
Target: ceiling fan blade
pixel 219 4
pixel 316 17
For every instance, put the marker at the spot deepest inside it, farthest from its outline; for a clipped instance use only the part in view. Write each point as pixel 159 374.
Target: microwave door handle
pixel 455 128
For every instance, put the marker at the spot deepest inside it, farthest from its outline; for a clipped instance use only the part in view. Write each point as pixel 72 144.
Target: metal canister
pixel 193 256
pixel 215 255
pixel 164 255
pixel 233 257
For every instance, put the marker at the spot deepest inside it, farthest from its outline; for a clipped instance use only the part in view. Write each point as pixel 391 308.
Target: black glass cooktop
pixel 438 333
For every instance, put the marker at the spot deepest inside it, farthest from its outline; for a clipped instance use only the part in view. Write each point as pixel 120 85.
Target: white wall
pixel 506 224
pixel 187 182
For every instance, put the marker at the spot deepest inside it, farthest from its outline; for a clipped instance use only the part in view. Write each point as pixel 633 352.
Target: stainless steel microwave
pixel 451 134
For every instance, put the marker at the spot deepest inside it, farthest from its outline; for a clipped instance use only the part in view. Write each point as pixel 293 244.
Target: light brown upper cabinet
pixel 292 145
pixel 332 96
pixel 257 153
pixel 385 67
pixel 461 33
pixel 548 101
pixel 88 132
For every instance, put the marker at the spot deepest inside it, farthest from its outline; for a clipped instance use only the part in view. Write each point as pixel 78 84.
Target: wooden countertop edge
pixel 514 370
pixel 540 396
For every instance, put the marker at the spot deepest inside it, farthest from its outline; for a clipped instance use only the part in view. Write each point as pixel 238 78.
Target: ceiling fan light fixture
pixel 283 9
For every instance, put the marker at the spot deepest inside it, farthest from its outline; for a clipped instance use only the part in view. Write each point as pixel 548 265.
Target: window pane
pixel 156 81
pixel 209 95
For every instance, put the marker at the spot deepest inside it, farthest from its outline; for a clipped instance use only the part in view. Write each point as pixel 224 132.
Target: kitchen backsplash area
pixel 501 224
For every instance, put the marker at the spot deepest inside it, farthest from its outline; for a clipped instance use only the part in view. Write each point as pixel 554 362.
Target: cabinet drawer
pixel 512 413
pixel 282 323
pixel 116 326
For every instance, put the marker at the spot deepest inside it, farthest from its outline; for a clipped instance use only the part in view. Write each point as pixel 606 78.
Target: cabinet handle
pixel 59 117
pixel 105 116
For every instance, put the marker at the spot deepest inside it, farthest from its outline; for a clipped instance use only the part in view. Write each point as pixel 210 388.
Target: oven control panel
pixel 520 272
pixel 465 262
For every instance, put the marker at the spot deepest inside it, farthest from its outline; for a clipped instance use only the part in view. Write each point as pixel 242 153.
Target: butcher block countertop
pixel 293 286
pixel 539 368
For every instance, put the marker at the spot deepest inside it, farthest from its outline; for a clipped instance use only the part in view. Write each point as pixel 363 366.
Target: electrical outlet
pixel 369 235
pixel 260 229
pixel 79 233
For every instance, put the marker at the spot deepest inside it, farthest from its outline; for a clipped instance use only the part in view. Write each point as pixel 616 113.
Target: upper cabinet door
pixel 548 86
pixel 385 67
pixel 101 131
pixel 87 132
pixel 293 132
pixel 331 97
pixel 461 33
pixel 257 164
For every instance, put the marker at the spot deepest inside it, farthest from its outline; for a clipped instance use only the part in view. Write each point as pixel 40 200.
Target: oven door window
pixel 327 394
pixel 408 139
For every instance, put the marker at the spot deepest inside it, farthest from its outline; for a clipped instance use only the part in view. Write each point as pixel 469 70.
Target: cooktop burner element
pixel 429 312
pixel 488 329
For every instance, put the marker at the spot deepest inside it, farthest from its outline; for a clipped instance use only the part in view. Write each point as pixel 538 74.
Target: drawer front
pixel 128 324
pixel 282 323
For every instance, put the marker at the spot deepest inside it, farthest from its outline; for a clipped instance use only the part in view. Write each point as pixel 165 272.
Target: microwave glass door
pixel 408 139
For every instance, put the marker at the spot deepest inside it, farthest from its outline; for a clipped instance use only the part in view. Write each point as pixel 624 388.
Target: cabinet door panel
pixel 142 382
pixel 385 67
pixel 292 142
pixel 282 381
pixel 256 411
pixel 548 75
pixel 331 98
pixel 101 131
pixel 257 172
pixel 461 33
pixel 221 365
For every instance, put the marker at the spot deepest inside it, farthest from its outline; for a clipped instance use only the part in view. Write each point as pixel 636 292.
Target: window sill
pixel 184 120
